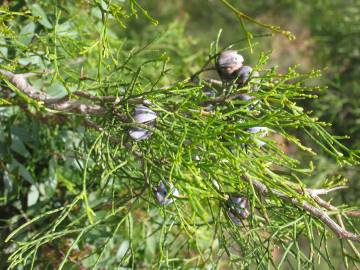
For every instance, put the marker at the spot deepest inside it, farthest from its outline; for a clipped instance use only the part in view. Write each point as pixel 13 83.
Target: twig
pixel 311 209
pixel 64 104
pixel 20 82
pixel 314 194
pixel 111 99
pixel 78 107
pixel 97 98
pixel 213 81
pixel 323 191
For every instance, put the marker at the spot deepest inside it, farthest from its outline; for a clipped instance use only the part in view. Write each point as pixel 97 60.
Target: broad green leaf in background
pixel 57 90
pixel 16 167
pixel 3 49
pixel 33 195
pixel 32 59
pixel 50 182
pixel 8 182
pixel 122 250
pixel 37 10
pixel 23 134
pixel 18 146
pixel 65 30
pixel 27 33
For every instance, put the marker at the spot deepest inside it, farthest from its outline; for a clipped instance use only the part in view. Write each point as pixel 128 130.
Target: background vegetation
pixel 76 190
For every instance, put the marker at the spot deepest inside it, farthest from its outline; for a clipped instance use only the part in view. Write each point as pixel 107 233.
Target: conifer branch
pixel 75 106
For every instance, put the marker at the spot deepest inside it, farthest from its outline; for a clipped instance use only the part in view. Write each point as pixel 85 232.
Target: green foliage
pixel 73 198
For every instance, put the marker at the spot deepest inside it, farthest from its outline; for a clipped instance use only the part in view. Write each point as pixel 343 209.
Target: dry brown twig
pixel 66 104
pixel 313 209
